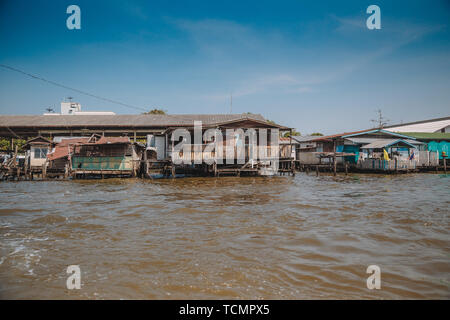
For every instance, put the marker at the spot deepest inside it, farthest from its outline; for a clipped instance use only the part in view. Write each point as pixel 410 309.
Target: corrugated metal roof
pixel 37 140
pixel 304 138
pixel 141 120
pixel 62 149
pixel 417 122
pixel 430 126
pixel 338 135
pixel 111 140
pixel 383 143
pixel 358 140
pixel 357 133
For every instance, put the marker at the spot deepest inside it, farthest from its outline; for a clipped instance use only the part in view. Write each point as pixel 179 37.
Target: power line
pixel 73 89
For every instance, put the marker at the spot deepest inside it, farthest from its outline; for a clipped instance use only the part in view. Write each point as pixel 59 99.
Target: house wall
pixel 230 145
pixel 35 159
pixel 304 145
pixel 102 163
pixel 58 164
pixel 439 146
pixel 160 144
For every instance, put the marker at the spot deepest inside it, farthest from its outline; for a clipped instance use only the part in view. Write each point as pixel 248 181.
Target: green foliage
pixel 156 111
pixel 294 133
pixel 19 143
pixel 5 144
pixel 317 134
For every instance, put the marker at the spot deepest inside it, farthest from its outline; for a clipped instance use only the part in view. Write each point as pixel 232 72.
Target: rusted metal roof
pixel 65 147
pixel 333 136
pixel 109 140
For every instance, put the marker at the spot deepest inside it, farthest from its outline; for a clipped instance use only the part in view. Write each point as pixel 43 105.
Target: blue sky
pixel 311 65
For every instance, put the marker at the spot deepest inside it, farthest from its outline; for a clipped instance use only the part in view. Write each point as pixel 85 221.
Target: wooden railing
pixel 386 165
pixel 189 156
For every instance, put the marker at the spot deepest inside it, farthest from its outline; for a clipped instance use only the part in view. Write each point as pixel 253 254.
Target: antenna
pixel 381 122
pixel 69 98
pixel 50 110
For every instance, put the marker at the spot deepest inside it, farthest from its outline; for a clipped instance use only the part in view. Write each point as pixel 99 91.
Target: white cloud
pixel 227 42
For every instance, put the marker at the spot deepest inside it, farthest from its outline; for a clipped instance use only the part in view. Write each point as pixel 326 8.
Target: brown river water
pixel 302 237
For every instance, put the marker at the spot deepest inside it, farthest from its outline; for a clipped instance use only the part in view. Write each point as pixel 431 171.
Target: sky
pixel 309 65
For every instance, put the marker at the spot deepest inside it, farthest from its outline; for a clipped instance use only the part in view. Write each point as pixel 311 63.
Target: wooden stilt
pixel 44 171
pixel 293 168
pixel 25 173
pixel 445 165
pixel 334 159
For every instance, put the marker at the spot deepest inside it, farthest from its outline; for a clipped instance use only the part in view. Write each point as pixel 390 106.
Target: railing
pixel 427 158
pixel 230 153
pixel 386 165
pixel 312 158
pixel 421 159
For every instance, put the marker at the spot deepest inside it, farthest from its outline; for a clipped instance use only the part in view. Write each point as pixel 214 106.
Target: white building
pixel 433 125
pixel 69 108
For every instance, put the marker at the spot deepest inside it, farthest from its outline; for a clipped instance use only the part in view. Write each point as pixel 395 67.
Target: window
pixel 40 153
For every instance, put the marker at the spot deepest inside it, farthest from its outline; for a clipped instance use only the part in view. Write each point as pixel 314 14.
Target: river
pixel 302 237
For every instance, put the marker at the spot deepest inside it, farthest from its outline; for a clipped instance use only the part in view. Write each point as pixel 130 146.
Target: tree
pixel 19 143
pixel 294 133
pixel 317 134
pixel 4 144
pixel 156 111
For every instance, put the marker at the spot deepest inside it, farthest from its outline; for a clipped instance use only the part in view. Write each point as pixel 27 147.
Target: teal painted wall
pixel 99 163
pixel 349 149
pixel 439 146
